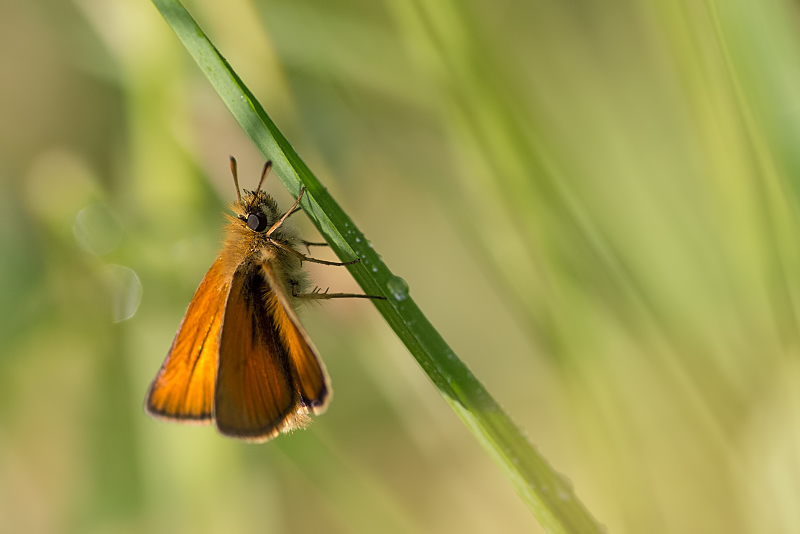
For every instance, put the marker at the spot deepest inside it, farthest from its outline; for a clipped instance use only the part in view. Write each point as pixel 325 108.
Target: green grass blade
pixel 548 495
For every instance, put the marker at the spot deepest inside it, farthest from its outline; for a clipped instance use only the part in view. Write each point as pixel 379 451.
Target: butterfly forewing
pixel 184 387
pixel 256 393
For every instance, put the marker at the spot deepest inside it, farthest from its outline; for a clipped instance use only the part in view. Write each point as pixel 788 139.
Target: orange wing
pixel 184 387
pixel 307 367
pixel 269 375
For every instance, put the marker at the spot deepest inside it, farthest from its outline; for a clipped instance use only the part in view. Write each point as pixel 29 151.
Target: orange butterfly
pixel 241 357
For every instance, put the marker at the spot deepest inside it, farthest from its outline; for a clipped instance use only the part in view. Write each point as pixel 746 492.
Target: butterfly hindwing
pixel 307 367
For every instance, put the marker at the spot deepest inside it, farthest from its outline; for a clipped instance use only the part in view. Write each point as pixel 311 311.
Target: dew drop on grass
pixel 398 288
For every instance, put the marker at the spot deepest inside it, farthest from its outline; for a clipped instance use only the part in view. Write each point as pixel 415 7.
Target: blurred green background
pixel 595 202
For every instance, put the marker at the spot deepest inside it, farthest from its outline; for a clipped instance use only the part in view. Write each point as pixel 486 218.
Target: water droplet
pixel 126 292
pixel 397 287
pixel 358 240
pixel 374 269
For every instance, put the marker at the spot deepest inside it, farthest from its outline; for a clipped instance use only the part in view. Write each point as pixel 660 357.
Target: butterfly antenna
pixel 267 167
pixel 235 178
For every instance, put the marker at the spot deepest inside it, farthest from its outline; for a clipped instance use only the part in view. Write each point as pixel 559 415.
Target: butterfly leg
pixel 302 257
pixel 308 244
pixel 318 294
pixel 294 209
pixel 286 215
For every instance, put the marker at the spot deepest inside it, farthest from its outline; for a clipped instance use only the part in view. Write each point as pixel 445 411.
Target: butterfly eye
pixel 257 222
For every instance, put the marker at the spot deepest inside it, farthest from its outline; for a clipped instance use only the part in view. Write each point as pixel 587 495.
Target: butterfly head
pixel 257 210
